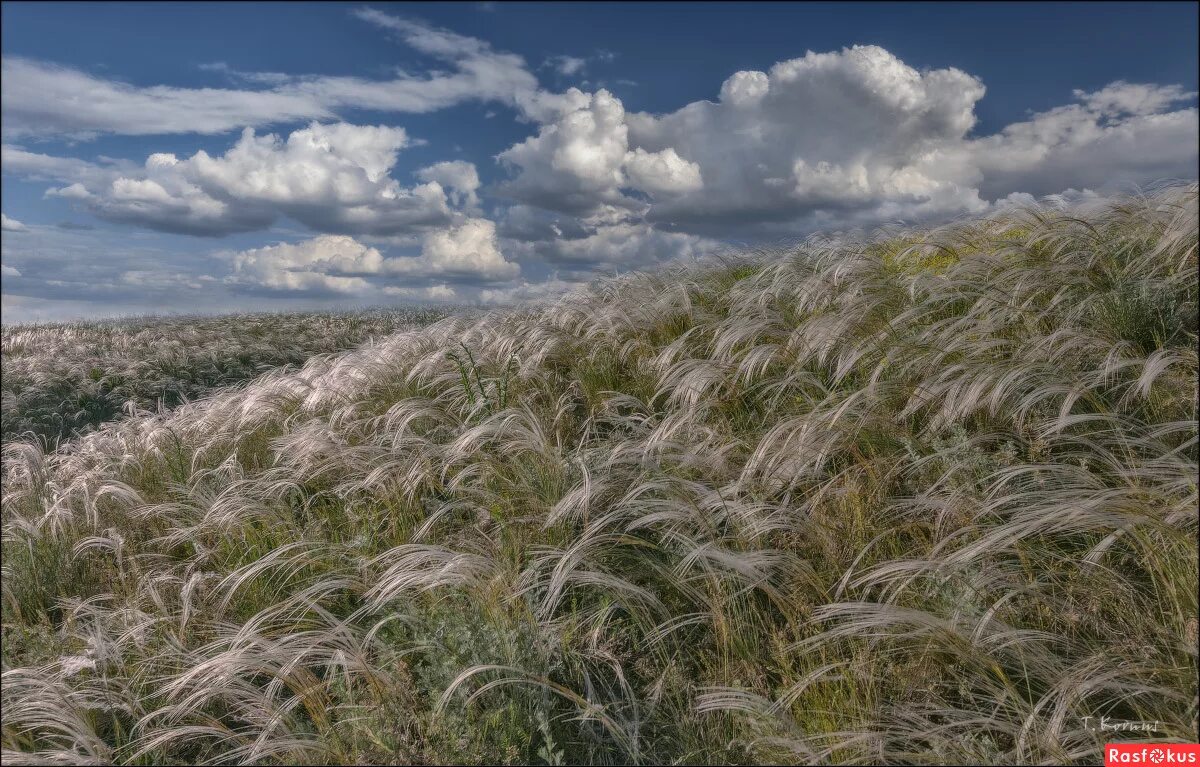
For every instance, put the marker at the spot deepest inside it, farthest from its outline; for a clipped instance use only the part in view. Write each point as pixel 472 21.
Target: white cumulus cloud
pixel 329 263
pixel 332 178
pixel 846 129
pixel 582 160
pixel 1122 135
pixel 465 253
pixel 11 224
pixel 663 171
pixel 458 177
pixel 846 138
pixel 468 251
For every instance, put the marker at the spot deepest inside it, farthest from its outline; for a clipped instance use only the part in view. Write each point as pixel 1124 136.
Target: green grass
pixel 923 498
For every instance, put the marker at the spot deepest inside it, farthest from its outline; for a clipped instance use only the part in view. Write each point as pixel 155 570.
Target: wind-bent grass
pixel 64 379
pixel 929 497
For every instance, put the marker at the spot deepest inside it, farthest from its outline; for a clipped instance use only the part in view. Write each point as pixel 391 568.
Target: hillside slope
pixel 929 497
pixel 62 379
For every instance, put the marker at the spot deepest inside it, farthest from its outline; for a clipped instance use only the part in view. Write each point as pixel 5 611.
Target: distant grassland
pixel 929 497
pixel 62 379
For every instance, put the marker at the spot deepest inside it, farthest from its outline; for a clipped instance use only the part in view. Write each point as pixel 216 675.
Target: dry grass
pixel 64 379
pixel 925 498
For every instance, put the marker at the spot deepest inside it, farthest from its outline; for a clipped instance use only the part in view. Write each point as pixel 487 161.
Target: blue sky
pixel 477 152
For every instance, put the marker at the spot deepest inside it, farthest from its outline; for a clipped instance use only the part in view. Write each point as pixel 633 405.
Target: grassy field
pixel 929 497
pixel 67 378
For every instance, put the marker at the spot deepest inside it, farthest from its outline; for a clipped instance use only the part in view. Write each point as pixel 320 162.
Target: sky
pixel 220 157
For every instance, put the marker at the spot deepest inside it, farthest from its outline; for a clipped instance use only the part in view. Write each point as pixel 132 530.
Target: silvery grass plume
pixel 926 496
pixel 66 378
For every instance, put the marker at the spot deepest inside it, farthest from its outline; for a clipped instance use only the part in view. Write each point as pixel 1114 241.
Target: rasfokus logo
pixel 1151 753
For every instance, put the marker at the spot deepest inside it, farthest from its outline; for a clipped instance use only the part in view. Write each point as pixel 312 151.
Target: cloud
pixel 261 78
pixel 442 43
pixel 163 280
pixel 581 161
pixel 42 167
pixel 459 177
pixel 833 140
pixel 1118 136
pixel 467 251
pixel 582 250
pixel 848 138
pixel 313 160
pixel 661 172
pixel 573 164
pixel 432 293
pixel 528 291
pixel 11 224
pixel 481 73
pixel 332 178
pixel 631 245
pixel 46 99
pixel 327 264
pixel 843 131
pixel 8 271
pixel 569 66
pixel 109 267
pixel 566 66
pixel 73 273
pixel 76 191
pixel 1121 97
